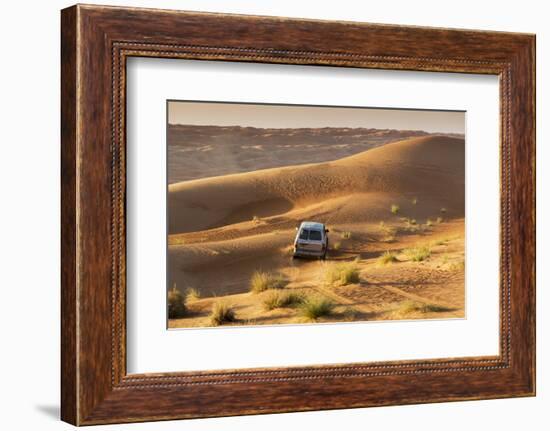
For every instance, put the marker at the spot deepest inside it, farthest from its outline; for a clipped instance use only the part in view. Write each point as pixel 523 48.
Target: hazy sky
pixel 294 116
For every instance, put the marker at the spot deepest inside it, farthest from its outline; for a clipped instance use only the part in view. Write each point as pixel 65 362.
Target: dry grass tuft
pixel 457 266
pixel 394 209
pixel 283 300
pixel 175 240
pixel 387 257
pixel 346 235
pixel 176 304
pixel 262 281
pixel 413 307
pixel 350 314
pixel 192 294
pixel 315 307
pixel 221 313
pixel 411 225
pixel 342 273
pixel 388 232
pixel 418 254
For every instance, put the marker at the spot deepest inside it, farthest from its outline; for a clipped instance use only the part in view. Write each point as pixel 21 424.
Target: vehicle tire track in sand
pixel 320 288
pixel 343 300
pixel 417 298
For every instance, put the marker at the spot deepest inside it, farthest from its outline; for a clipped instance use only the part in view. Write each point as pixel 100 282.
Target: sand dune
pixel 223 229
pixel 206 151
pixel 357 188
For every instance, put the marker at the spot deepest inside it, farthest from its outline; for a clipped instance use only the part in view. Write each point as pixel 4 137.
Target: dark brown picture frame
pixel 96 41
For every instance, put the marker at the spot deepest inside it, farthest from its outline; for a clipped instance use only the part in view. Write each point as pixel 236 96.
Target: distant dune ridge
pixel 352 189
pixel 207 151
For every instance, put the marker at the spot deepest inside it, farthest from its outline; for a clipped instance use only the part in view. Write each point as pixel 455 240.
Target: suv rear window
pixel 313 235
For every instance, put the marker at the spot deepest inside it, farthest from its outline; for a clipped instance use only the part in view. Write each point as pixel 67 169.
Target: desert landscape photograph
pixel 295 214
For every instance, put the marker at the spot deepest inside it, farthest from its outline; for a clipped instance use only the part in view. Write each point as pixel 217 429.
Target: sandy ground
pixel 223 229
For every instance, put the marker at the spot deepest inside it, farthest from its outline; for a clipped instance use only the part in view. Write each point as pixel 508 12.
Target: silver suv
pixel 311 240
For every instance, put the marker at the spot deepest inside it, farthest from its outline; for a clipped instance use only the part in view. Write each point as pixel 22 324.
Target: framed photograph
pixel 325 214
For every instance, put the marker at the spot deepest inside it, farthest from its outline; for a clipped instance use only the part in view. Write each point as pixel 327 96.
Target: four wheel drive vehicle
pixel 311 240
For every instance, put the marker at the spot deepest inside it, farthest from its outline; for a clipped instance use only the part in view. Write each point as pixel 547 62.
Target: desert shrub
pixel 443 210
pixel 349 274
pixel 349 314
pixel 175 240
pixel 283 300
pixel 410 307
pixel 176 304
pixel 390 237
pixel 387 257
pixel 256 219
pixel 429 223
pixel 346 235
pixel 272 301
pixel 457 266
pixel 433 308
pixel 342 273
pixel 337 246
pixel 414 201
pixel 192 294
pixel 439 220
pixel 418 254
pixel 388 232
pixel 262 281
pixel 407 307
pixel 394 209
pixel 411 225
pixel 221 313
pixel 315 307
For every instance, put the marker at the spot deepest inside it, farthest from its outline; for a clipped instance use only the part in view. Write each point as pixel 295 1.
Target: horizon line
pixel 315 128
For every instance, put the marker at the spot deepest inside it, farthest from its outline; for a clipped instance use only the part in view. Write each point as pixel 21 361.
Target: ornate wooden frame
pixel 95 42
